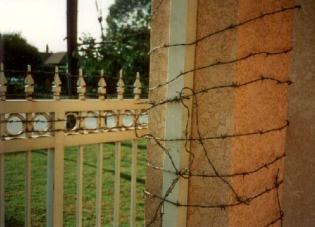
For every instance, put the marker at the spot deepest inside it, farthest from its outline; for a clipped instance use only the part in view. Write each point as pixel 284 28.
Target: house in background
pixel 51 60
pixel 57 59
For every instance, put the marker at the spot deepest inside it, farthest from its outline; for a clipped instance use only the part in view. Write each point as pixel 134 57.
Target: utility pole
pixel 72 36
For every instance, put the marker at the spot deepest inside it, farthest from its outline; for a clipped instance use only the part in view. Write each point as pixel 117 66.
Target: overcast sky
pixel 43 22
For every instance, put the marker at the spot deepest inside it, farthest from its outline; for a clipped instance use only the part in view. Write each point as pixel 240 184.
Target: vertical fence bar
pixel 2 201
pixel 28 175
pixel 79 187
pixel 56 164
pixel 3 90
pixel 28 189
pixel 28 89
pixel 2 192
pixel 99 174
pixel 133 205
pixel 50 185
pixel 99 182
pixel 2 175
pixel 117 183
pixel 120 95
pixel 58 167
pixel 81 90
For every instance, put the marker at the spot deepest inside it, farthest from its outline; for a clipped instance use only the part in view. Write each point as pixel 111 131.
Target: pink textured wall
pixel 258 106
pixel 213 110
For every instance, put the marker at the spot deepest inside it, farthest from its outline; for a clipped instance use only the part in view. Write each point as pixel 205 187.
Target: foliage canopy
pixel 16 53
pixel 124 46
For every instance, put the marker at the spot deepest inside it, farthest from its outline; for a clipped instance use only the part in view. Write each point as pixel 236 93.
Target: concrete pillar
pixel 171 119
pixel 158 73
pixel 253 108
pixel 245 53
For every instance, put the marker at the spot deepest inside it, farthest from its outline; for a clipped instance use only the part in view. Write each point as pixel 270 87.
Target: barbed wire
pixel 188 173
pixel 223 206
pixel 227 28
pixel 182 96
pixel 220 63
pixel 212 170
pixel 187 94
pixel 119 40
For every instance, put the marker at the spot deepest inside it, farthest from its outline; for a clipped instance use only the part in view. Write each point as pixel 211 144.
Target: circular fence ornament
pixel 111 120
pixel 72 122
pixel 143 119
pixel 90 121
pixel 15 124
pixel 128 119
pixel 41 123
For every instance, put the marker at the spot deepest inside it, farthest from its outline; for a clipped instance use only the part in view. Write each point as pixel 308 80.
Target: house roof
pixel 56 58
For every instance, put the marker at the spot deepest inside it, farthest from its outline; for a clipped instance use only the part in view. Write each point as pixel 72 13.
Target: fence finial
pixel 137 87
pixel 81 86
pixel 3 83
pixel 56 87
pixel 120 86
pixel 29 84
pixel 101 86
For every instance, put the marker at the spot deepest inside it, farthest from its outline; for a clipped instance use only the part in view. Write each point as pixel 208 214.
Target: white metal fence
pixel 54 124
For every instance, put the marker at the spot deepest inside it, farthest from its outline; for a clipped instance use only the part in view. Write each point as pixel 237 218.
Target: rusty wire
pixel 193 95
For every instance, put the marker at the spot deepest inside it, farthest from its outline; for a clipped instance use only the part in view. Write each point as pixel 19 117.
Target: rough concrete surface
pixel 158 73
pixel 213 112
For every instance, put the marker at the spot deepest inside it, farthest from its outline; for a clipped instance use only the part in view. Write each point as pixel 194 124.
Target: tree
pixel 125 44
pixel 16 53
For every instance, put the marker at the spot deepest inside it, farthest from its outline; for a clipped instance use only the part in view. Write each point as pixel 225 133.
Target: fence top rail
pixel 22 106
pixel 68 105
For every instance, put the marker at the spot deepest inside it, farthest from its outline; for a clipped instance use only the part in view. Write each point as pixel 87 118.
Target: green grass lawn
pixel 14 186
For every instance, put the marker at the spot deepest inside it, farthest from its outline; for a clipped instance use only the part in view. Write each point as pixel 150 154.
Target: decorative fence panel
pixel 55 124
